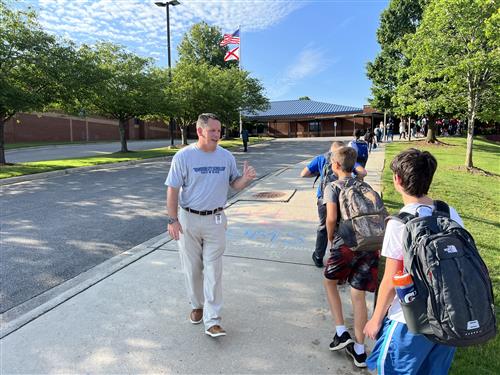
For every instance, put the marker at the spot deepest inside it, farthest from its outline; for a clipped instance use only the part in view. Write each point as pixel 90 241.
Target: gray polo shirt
pixel 203 177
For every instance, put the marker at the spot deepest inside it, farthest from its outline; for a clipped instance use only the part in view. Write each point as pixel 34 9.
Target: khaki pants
pixel 201 247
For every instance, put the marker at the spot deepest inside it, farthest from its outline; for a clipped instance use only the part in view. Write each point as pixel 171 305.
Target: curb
pixel 39 176
pixel 62 172
pixel 24 314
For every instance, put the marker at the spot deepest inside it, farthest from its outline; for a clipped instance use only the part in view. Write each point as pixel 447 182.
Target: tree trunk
pixel 122 126
pixel 470 136
pixel 431 130
pixel 409 129
pixel 471 112
pixel 2 140
pixel 183 135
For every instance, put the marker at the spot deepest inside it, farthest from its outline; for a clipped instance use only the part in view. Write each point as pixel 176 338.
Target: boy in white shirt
pixel 397 350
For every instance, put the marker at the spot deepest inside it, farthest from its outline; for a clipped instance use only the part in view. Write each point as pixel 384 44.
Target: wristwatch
pixel 172 220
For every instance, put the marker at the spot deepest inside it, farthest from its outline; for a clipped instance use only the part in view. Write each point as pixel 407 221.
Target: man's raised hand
pixel 248 171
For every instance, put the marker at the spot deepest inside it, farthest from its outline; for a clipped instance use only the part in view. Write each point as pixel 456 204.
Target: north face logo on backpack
pixel 473 324
pixel 450 249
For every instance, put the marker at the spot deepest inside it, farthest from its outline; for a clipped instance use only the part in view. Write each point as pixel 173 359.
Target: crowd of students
pixel 397 350
pixel 418 128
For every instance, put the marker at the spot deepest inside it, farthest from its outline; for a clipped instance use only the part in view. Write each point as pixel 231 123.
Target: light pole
pixel 167 7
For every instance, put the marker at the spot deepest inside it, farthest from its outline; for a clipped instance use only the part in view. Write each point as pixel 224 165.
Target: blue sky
pixel 296 48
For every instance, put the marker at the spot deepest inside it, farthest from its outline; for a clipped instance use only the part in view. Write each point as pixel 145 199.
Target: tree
pixel 402 17
pixel 457 48
pixel 201 45
pixel 35 69
pixel 304 98
pixel 191 91
pixel 241 93
pixel 130 89
pixel 198 88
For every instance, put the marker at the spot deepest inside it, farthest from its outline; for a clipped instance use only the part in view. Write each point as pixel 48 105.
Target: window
pixel 314 126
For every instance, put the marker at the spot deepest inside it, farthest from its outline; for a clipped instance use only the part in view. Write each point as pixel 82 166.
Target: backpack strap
pixel 343 184
pixel 441 207
pixel 316 179
pixel 321 173
pixel 337 184
pixel 402 217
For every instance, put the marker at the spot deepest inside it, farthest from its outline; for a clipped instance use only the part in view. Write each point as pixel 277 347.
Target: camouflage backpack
pixel 363 213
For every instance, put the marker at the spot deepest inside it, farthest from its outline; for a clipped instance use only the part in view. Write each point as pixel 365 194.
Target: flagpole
pixel 239 66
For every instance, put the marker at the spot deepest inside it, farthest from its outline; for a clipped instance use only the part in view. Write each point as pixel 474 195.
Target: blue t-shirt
pixel 316 166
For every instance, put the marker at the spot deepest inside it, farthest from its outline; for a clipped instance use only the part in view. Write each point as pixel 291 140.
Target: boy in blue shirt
pixel 315 168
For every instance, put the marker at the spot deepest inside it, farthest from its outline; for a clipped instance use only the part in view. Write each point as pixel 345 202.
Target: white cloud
pixel 309 62
pixel 142 22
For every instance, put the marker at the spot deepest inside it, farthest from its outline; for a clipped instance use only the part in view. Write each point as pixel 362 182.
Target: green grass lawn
pixel 21 169
pixel 476 197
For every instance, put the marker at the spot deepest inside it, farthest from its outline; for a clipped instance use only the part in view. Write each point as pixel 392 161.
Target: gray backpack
pixel 362 213
pixel 454 302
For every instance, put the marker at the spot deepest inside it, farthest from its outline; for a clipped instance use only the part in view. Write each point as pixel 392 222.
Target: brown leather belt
pixel 203 213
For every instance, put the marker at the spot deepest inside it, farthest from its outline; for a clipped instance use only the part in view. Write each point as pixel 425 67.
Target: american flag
pixel 233 38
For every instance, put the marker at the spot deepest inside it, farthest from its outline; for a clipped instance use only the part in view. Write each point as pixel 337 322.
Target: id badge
pixel 218 218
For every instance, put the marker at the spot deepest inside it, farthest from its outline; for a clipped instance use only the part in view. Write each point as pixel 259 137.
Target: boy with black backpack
pixel 449 301
pixel 355 226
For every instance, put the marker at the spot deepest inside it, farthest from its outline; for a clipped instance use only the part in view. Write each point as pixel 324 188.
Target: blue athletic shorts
pixel 398 351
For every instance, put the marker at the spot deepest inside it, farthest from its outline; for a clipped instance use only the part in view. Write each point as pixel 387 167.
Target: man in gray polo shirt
pixel 198 182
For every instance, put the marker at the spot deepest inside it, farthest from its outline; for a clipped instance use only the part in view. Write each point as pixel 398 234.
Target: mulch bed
pixel 475 170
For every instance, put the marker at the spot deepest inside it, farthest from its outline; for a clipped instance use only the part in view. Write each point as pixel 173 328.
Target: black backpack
pixel 454 302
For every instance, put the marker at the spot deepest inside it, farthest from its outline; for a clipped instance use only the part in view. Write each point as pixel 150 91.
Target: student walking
pixel 361 148
pixel 244 138
pixel 402 129
pixel 371 140
pixel 320 167
pixel 359 268
pixel 379 132
pixel 198 181
pixel 390 130
pixel 397 350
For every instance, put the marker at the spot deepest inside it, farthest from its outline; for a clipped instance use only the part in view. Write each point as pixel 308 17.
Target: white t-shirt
pixel 203 177
pixel 393 246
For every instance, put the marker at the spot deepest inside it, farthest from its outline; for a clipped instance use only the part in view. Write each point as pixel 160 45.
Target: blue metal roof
pixel 289 108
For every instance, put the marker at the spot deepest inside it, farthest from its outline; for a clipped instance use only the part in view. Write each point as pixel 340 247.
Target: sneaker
pixel 359 359
pixel 196 316
pixel 215 331
pixel 341 342
pixel 318 262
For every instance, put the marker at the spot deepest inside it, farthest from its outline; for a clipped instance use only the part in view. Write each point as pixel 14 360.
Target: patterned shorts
pixel 359 268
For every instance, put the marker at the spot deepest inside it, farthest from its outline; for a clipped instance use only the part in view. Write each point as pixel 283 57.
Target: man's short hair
pixel 203 120
pixel 346 158
pixel 416 169
pixel 358 133
pixel 336 145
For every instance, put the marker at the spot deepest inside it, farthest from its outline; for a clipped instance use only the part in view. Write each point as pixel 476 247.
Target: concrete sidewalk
pixel 133 316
